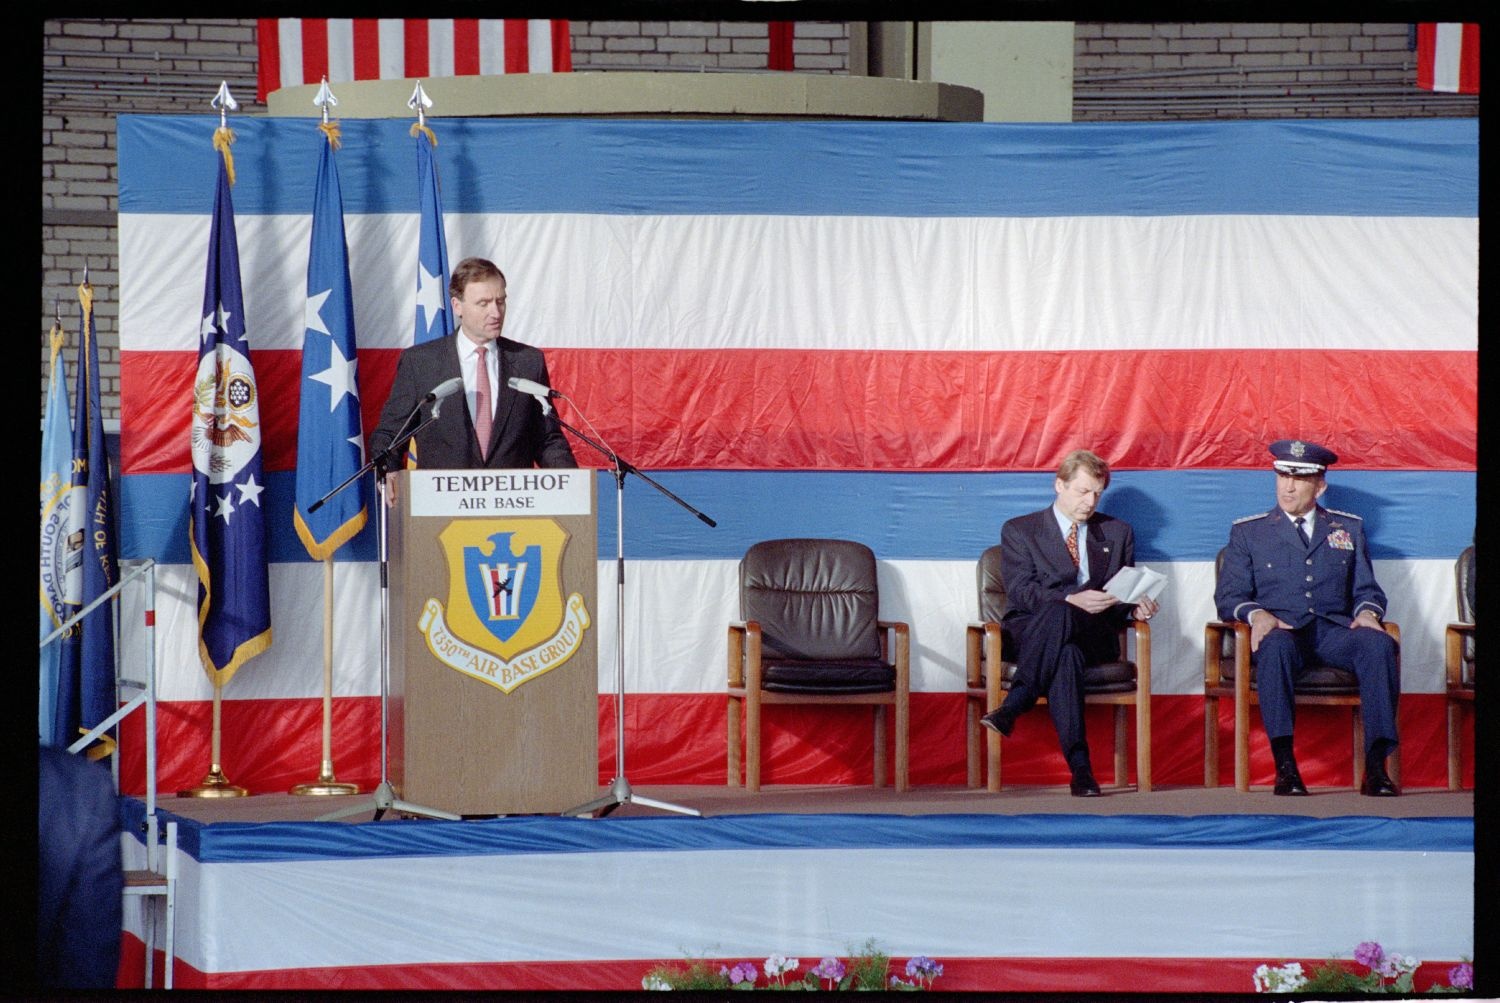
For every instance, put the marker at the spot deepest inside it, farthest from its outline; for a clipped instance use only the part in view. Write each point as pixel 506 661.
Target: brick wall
pixel 817 46
pixel 94 69
pixel 1233 70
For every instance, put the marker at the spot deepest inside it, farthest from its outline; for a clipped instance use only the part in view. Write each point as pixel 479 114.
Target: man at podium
pixel 498 427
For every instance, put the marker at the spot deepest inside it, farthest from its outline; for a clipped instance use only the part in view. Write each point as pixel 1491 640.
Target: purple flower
pixel 1461 976
pixel 742 972
pixel 831 969
pixel 923 967
pixel 1370 954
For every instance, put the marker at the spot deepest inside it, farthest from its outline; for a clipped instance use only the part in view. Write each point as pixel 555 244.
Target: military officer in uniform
pixel 1300 576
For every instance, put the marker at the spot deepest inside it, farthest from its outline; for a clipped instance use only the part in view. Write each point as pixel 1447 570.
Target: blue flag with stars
pixel 330 442
pixel 434 312
pixel 228 541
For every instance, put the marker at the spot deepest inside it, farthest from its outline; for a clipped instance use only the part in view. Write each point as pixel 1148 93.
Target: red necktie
pixel 1073 543
pixel 482 421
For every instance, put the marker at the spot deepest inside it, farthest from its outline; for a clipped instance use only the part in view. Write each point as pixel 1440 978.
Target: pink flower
pixel 1461 976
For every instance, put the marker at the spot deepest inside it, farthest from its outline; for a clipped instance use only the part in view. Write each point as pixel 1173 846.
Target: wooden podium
pixel 493 654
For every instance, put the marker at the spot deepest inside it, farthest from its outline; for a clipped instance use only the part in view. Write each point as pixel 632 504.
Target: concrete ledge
pixel 648 95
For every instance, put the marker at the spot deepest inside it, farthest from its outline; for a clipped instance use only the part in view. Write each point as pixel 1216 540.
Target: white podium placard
pixel 473 493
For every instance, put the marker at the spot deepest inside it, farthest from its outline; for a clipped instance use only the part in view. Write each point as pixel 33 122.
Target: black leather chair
pixel 988 646
pixel 809 634
pixel 1460 664
pixel 1227 673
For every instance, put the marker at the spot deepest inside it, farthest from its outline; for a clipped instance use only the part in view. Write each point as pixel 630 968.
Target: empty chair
pixel 809 633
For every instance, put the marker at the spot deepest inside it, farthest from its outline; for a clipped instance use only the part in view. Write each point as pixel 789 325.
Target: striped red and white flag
pixel 296 51
pixel 1448 57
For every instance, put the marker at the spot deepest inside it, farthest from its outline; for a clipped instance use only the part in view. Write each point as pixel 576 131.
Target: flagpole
pixel 327 784
pixel 234 612
pixel 214 784
pixel 328 431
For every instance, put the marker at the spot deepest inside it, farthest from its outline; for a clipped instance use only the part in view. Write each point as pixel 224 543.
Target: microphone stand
pixel 620 791
pixel 383 798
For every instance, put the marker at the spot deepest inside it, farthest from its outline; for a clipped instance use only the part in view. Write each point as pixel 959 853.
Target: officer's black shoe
pixel 1000 720
pixel 1083 784
pixel 1378 783
pixel 1289 781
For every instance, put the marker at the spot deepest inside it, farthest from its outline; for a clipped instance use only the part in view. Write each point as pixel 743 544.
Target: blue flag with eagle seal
pixel 228 524
pixel 330 439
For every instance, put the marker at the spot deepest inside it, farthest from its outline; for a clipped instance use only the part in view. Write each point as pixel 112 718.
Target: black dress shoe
pixel 1378 783
pixel 1000 720
pixel 1289 781
pixel 1083 784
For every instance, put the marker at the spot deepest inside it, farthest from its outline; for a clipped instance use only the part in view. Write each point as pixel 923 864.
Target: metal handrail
pixel 109 593
pixel 147 696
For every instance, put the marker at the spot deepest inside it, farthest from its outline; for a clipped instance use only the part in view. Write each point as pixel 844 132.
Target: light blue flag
pixel 434 311
pixel 58 558
pixel 228 521
pixel 330 443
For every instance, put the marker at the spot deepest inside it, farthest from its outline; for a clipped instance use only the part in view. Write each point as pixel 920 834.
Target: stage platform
pixel 714 800
pixel 1177 890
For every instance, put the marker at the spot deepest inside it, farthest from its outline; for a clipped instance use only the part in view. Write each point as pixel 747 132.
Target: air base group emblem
pixel 506 620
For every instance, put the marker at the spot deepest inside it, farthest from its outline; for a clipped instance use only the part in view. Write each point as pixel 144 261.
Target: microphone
pixel 447 388
pixel 531 387
pixel 535 389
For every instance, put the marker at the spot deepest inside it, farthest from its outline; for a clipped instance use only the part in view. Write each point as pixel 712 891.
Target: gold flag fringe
pixel 223 139
pixel 422 128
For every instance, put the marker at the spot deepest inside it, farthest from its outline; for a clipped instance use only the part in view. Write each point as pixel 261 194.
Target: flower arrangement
pixel 1384 973
pixel 867 968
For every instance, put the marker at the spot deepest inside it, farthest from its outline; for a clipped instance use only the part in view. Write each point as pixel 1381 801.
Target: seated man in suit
pixel 1300 576
pixel 497 426
pixel 1054 564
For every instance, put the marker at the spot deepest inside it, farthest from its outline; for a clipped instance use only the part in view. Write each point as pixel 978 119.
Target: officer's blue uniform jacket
pixel 1268 566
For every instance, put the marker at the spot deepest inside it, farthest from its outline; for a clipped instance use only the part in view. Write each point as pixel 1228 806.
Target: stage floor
pixel 716 800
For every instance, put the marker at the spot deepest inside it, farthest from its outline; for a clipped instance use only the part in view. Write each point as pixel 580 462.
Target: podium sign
pixel 493 658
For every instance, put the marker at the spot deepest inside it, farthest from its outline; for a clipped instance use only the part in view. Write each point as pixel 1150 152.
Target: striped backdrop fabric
pixel 295 51
pixel 882 332
pixel 1448 57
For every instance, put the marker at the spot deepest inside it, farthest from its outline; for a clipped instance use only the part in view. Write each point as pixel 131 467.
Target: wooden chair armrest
pixel 1213 639
pixel 1453 652
pixel 744 644
pixel 979 636
pixel 902 659
pixel 1142 656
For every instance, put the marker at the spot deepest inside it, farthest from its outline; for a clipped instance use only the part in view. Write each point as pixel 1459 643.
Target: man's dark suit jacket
pixel 521 435
pixel 1036 567
pixel 80 879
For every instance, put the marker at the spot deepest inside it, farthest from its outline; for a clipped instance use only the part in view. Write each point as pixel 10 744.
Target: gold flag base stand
pixel 214 785
pixel 325 786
